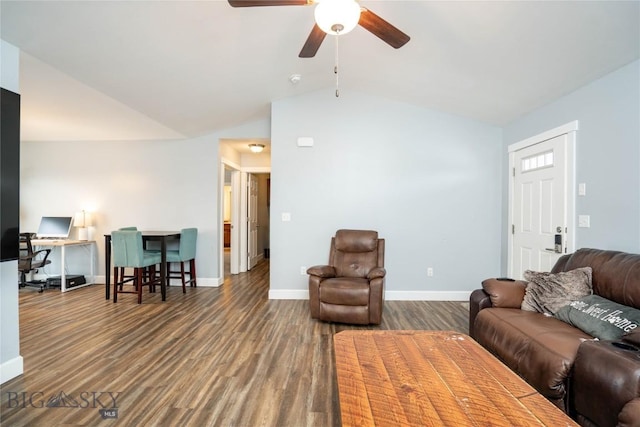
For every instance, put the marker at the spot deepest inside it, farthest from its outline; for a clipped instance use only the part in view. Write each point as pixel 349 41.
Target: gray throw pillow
pixel 547 292
pixel 600 317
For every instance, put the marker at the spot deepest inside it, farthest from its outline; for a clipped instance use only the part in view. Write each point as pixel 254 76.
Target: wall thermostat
pixel 305 141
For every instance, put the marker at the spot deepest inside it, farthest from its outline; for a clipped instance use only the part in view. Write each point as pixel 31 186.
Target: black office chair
pixel 31 261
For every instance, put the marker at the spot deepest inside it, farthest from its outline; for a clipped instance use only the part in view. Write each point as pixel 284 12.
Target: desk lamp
pixel 82 220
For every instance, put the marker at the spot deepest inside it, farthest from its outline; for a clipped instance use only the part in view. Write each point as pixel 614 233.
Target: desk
pixel 147 236
pixel 63 244
pixel 432 378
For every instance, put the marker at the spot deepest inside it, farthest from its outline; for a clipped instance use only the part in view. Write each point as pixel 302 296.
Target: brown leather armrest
pixel 605 378
pixel 504 293
pixel 478 300
pixel 324 271
pixel 630 414
pixel 376 273
pixel 495 293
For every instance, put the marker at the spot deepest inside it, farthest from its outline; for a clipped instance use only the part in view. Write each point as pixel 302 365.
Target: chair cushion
pixel 356 240
pixel 172 256
pixel 539 348
pixel 345 291
pixel 616 275
pixel 356 315
pixel 355 265
pixel 150 259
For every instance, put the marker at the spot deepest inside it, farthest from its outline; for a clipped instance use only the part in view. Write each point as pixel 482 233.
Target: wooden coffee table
pixel 432 378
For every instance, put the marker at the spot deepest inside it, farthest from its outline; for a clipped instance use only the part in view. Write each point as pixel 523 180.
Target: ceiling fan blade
pixel 313 42
pixel 252 3
pixel 382 29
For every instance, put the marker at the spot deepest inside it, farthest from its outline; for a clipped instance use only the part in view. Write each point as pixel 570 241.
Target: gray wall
pixel 607 156
pixel 430 183
pixel 11 364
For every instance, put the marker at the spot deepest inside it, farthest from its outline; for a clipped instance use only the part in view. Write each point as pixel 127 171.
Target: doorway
pixel 230 207
pixel 258 217
pixel 541 200
pixel 244 200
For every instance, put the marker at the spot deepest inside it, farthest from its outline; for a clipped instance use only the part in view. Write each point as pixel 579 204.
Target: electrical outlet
pixel 303 271
pixel 430 272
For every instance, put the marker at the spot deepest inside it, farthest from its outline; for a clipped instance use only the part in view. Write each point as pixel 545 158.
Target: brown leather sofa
pixel 596 382
pixel 350 289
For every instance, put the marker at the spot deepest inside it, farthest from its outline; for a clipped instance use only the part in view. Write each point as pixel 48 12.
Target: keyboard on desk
pixel 55 242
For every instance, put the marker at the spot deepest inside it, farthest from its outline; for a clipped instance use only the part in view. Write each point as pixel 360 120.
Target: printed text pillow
pixel 600 317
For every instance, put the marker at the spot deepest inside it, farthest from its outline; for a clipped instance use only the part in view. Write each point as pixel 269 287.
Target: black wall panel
pixel 9 174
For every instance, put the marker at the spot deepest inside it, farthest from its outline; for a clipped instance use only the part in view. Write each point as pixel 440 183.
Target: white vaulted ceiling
pixel 109 70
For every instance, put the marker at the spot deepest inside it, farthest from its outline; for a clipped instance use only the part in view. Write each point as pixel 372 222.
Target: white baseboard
pixel 288 294
pixel 427 295
pixel 209 282
pixel 11 369
pixel 214 282
pixel 389 295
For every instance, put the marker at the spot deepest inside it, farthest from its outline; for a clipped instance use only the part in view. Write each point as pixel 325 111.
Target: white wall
pixel 11 363
pixel 164 185
pixel 607 155
pixel 255 161
pixel 430 183
pixel 9 67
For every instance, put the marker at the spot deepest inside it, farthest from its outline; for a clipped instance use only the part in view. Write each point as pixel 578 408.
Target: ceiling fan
pixel 336 17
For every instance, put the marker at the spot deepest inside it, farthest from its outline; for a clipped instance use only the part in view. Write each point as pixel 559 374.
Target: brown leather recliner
pixel 350 289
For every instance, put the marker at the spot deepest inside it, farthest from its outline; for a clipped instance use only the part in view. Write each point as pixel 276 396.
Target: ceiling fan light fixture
pixel 337 16
pixel 256 148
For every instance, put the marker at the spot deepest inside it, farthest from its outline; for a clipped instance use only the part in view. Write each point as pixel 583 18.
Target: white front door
pixel 252 221
pixel 541 203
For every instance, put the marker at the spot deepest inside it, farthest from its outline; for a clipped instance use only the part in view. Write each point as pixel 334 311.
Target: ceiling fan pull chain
pixel 335 70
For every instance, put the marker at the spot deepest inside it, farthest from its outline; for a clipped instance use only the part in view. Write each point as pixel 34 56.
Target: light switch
pixel 582 189
pixel 286 216
pixel 584 221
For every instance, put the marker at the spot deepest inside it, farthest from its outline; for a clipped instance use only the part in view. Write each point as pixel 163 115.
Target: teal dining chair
pixel 129 253
pixel 126 277
pixel 186 253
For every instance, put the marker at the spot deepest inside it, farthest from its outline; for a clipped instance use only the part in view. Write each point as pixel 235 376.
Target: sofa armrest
pixel 324 271
pixel 606 377
pixel 376 273
pixel 478 300
pixel 505 293
pixel 630 414
pixel 495 293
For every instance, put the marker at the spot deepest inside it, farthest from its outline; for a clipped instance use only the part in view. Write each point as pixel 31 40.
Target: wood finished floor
pixel 224 356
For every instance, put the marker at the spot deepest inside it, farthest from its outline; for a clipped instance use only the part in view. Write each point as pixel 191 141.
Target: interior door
pixel 252 221
pixel 539 205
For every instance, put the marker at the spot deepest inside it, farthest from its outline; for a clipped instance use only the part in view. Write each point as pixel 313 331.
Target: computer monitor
pixel 55 227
